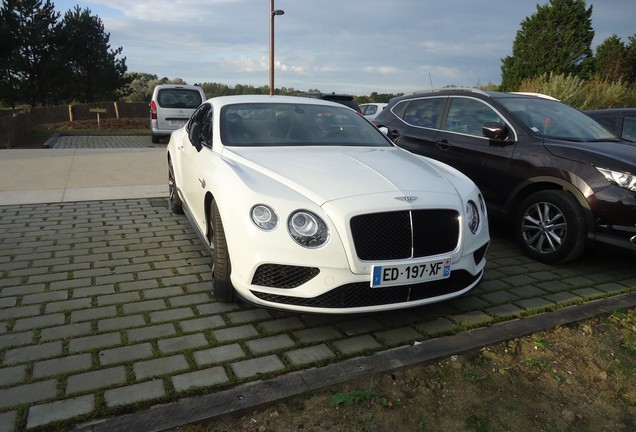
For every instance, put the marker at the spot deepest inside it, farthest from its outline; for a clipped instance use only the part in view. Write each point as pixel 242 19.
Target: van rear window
pixel 179 98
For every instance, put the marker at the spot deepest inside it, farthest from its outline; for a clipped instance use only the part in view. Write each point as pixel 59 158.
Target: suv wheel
pixel 550 227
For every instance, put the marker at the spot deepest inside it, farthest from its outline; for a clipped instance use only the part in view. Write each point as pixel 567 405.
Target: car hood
pixel 606 154
pixel 329 173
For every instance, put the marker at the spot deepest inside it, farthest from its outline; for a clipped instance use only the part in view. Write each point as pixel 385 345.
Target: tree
pixel 9 88
pixel 139 87
pixel 557 39
pixel 611 60
pixel 95 73
pixel 631 60
pixel 31 51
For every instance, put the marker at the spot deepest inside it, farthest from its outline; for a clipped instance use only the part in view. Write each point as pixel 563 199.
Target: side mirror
pixel 195 135
pixel 392 135
pixel 495 131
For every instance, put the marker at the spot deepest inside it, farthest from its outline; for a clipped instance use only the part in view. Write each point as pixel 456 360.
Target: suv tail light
pixel 153 110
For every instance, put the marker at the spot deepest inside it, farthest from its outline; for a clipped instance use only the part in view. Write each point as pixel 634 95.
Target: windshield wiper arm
pixel 603 140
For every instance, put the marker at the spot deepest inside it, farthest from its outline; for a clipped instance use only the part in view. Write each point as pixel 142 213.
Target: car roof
pixel 322 95
pixel 472 91
pixel 227 100
pixel 539 95
pixel 185 86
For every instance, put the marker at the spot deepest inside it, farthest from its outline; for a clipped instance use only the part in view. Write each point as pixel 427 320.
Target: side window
pixel 207 127
pixel 197 126
pixel 399 108
pixel 424 112
pixel 468 116
pixel 629 129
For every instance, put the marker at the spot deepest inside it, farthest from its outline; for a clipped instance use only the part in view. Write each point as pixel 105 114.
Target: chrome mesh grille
pixel 405 234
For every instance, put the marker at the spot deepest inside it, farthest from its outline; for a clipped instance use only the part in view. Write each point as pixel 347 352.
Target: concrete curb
pixel 49 143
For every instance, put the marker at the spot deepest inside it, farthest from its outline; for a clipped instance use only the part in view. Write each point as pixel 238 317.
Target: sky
pixel 342 46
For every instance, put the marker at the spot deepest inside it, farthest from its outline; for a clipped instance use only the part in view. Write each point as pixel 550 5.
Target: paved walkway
pixel 106 309
pixel 84 168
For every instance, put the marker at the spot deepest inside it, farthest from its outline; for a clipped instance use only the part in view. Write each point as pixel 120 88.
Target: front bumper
pixel 350 293
pixel 614 213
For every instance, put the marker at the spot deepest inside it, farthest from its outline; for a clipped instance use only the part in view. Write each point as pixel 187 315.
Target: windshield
pixel 552 119
pixel 297 124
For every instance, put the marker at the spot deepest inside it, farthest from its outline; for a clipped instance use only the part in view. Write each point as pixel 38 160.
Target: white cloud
pixel 244 64
pixel 382 70
pixel 355 46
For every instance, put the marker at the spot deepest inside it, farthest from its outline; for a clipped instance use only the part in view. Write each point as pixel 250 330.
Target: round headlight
pixel 472 217
pixel 264 217
pixel 307 229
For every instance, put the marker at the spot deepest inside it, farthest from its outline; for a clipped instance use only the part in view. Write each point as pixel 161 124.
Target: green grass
pixel 539 343
pixel 630 347
pixel 351 398
pixel 476 423
pixel 474 377
pixel 534 362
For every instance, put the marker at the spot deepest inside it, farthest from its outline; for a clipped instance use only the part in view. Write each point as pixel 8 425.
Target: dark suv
pixel 343 99
pixel 555 173
pixel 620 121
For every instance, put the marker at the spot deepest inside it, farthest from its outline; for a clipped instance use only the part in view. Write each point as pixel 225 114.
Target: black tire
pixel 176 205
pixel 222 267
pixel 550 227
pixel 154 138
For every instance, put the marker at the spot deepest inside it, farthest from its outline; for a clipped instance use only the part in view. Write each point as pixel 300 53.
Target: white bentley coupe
pixel 306 206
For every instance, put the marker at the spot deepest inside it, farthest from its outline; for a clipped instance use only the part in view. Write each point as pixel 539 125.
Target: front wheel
pixel 176 205
pixel 222 267
pixel 550 227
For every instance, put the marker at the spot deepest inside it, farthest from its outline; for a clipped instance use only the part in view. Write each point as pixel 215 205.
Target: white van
pixel 171 107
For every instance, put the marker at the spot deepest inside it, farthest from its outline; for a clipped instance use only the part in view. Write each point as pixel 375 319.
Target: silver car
pixel 171 107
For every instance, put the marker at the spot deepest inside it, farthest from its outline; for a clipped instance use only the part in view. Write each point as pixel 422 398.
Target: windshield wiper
pixel 570 139
pixel 603 140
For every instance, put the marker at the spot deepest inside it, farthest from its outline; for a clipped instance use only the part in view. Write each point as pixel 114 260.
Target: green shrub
pixel 595 93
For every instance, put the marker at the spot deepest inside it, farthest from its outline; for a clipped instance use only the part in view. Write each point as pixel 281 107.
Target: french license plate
pixel 410 273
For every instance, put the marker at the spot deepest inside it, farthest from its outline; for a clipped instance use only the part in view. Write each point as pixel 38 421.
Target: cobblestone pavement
pixel 106 309
pixel 102 141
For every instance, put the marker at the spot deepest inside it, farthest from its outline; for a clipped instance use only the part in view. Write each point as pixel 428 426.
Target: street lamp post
pixel 272 14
